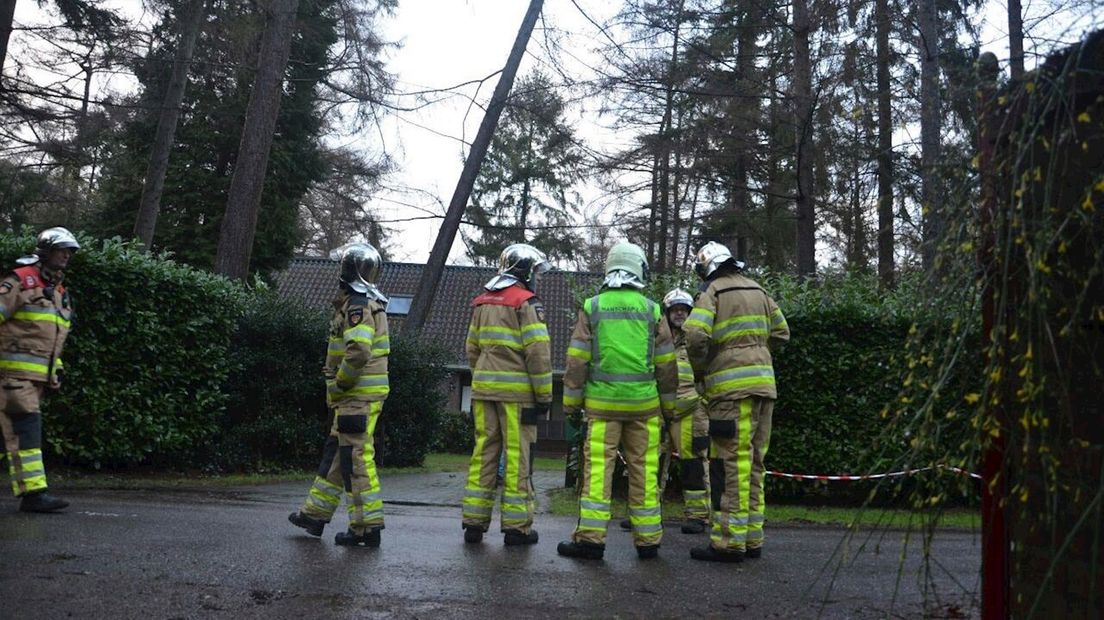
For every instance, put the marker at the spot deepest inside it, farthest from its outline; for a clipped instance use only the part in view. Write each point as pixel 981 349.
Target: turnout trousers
pixel 640 441
pixel 349 467
pixel 688 437
pixel 740 430
pixel 500 427
pixel 21 422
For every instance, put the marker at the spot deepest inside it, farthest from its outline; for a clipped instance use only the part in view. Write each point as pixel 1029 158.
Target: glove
pixel 541 409
pixel 55 380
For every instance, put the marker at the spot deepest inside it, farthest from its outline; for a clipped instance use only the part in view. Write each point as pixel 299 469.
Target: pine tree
pixel 524 190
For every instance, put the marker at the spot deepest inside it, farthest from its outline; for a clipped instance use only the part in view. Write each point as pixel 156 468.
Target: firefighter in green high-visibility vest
pixel 621 369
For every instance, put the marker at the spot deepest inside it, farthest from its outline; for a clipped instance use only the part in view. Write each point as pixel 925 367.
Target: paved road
pixel 231 553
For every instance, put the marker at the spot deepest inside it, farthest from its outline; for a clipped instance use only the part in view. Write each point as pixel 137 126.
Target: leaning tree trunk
pixel 886 265
pixel 930 126
pixel 150 204
pixel 803 116
pixel 239 225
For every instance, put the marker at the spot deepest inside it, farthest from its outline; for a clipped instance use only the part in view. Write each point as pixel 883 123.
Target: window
pixel 465 399
pixel 399 305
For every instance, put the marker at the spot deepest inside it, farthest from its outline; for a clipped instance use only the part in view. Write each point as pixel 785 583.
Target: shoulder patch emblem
pixel 5 288
pixel 355 316
pixel 538 308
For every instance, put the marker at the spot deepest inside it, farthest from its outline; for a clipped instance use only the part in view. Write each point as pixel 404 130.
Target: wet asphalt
pixel 231 553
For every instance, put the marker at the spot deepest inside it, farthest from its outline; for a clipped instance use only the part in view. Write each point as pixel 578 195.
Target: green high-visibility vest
pixel 621 374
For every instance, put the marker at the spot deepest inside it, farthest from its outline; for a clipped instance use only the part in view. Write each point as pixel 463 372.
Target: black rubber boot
pixel 647 552
pixel 517 538
pixel 709 554
pixel 754 552
pixel 371 538
pixel 41 501
pixel 693 526
pixel 473 534
pixel 313 526
pixel 583 550
pixel 626 524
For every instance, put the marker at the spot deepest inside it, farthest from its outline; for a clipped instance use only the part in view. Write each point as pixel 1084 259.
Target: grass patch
pixel 453 463
pixel 64 477
pixel 564 502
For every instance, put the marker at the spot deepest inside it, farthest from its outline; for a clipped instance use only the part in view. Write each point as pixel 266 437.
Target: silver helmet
pixel 522 261
pixel 677 297
pixel 56 238
pixel 360 266
pixel 710 257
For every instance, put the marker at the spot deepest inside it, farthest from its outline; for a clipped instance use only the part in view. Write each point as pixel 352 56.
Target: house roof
pixel 313 282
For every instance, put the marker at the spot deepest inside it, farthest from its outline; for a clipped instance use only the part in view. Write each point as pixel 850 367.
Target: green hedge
pixel 844 364
pixel 147 360
pixel 412 414
pixel 173 367
pixel 276 415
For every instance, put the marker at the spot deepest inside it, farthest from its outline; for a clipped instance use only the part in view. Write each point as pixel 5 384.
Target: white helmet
pixel 710 257
pixel 54 239
pixel 677 297
pixel 628 257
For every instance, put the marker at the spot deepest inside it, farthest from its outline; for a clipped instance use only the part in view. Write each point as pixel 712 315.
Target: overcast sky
pixel 449 42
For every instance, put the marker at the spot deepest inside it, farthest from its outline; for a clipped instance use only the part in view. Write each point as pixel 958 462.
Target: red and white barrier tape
pixel 892 474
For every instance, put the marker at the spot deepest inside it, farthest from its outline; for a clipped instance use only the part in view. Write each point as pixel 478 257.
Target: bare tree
pixel 886 265
pixel 239 224
pixel 803 121
pixel 7 14
pixel 930 126
pixel 1015 39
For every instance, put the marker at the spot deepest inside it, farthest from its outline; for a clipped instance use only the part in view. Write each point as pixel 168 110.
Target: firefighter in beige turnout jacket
pixel 729 335
pixel 621 369
pixel 356 386
pixel 509 353
pixel 35 316
pixel 688 431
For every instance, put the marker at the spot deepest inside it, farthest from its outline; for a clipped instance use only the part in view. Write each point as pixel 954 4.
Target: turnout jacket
pixel 508 347
pixel 688 398
pixel 356 355
pixel 621 360
pixel 730 334
pixel 35 317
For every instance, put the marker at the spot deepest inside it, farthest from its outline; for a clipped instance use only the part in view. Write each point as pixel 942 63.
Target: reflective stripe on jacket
pixel 729 335
pixel 688 398
pixel 35 319
pixel 508 347
pixel 356 355
pixel 621 360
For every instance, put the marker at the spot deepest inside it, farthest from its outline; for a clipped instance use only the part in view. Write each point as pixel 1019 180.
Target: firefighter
pixel 510 356
pixel 35 316
pixel 686 435
pixel 688 432
pixel 356 386
pixel 729 336
pixel 621 369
